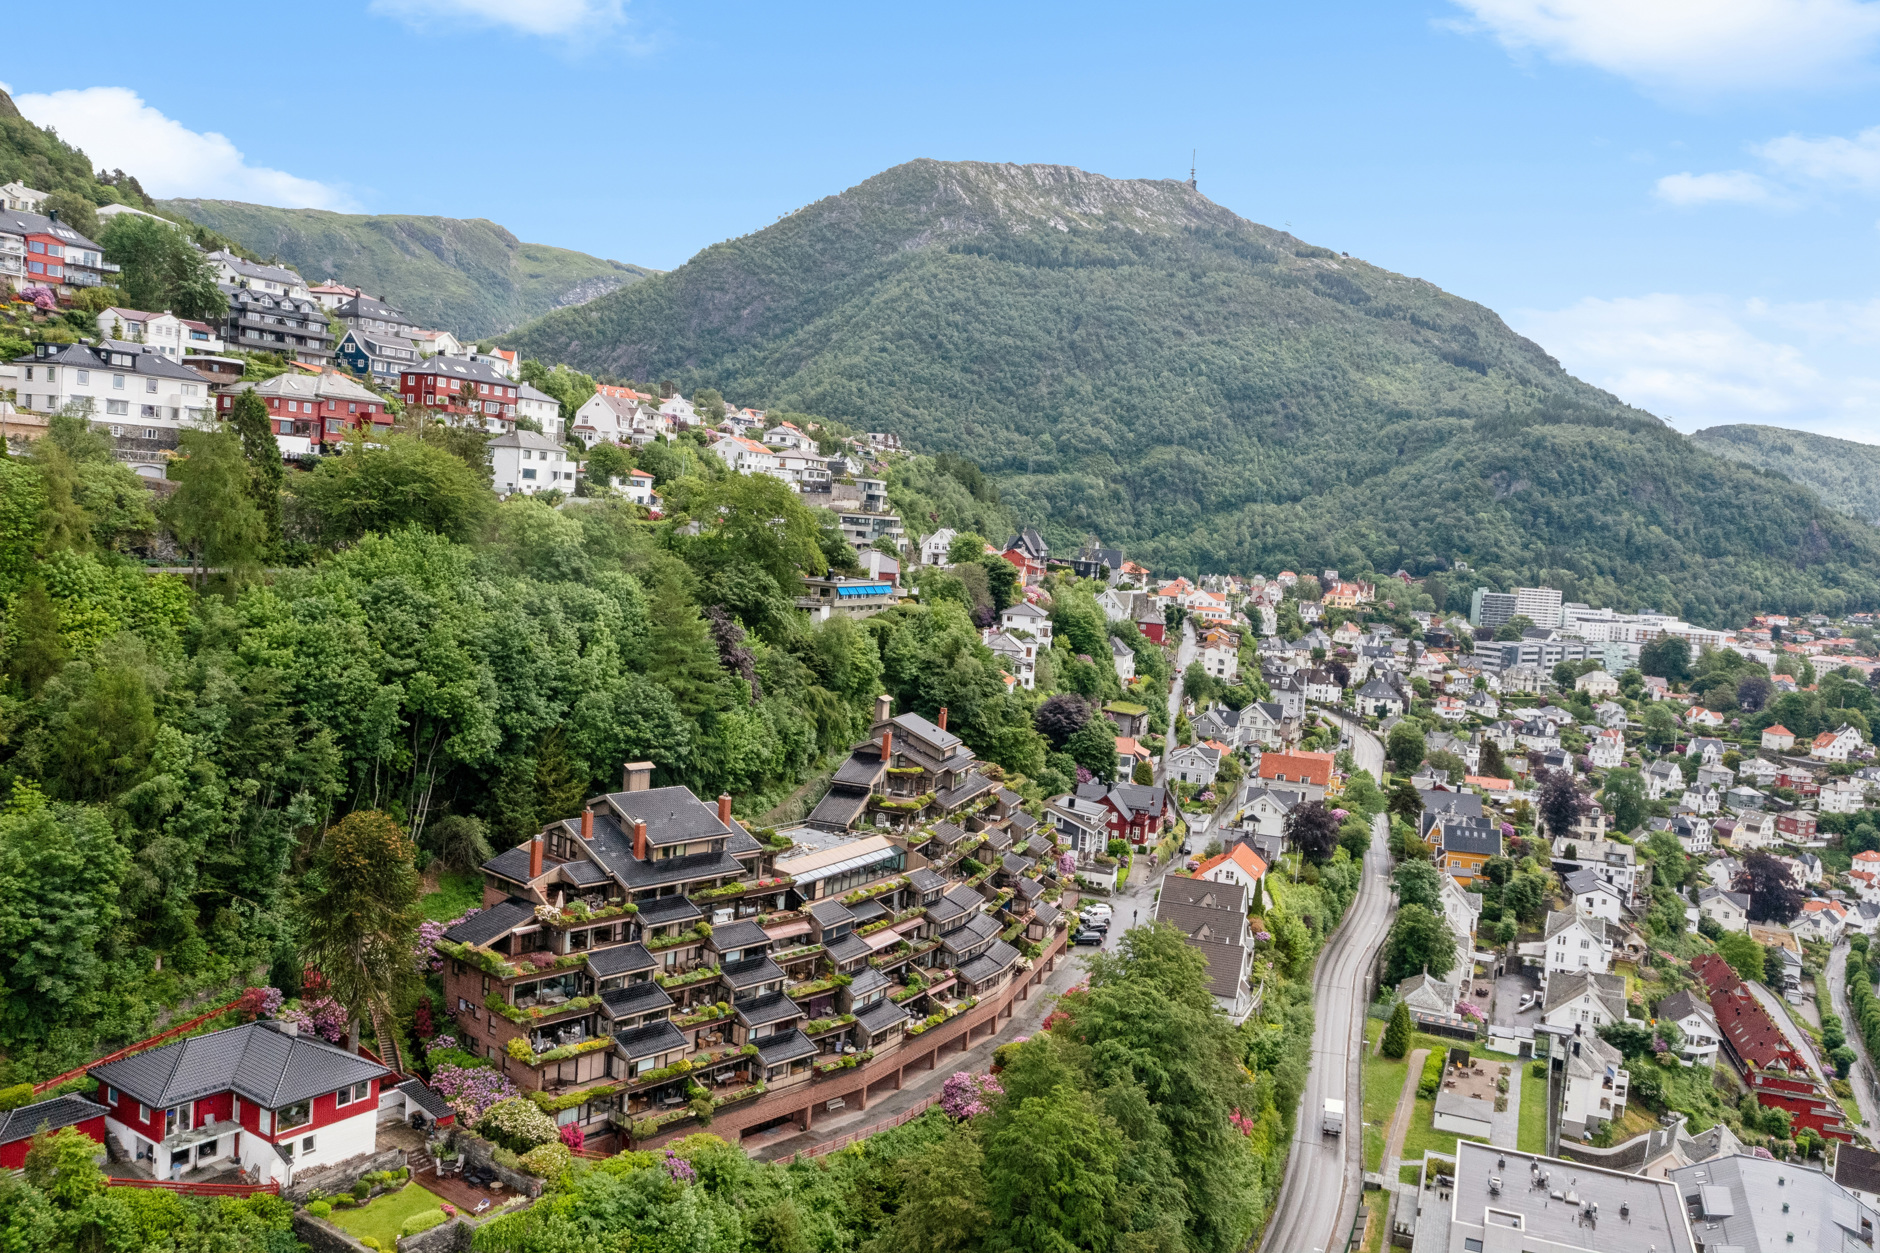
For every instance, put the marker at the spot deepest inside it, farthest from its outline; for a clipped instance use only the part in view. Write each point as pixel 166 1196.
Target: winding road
pixel 1318 1200
pixel 1184 654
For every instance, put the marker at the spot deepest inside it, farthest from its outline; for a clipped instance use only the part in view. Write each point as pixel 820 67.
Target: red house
pixel 308 412
pixel 260 1096
pixel 1137 812
pixel 19 1126
pixel 466 391
pixel 1796 826
pixel 1153 626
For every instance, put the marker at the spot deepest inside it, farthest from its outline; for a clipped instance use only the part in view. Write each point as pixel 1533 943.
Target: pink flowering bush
pixel 440 1042
pixel 424 952
pixel 263 1002
pixel 573 1137
pixel 964 1093
pixel 680 1169
pixel 1240 1122
pixel 1341 814
pixel 321 1016
pixel 1469 1011
pixel 1067 863
pixel 471 1089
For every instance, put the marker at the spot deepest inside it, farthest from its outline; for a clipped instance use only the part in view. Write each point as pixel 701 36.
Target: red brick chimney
pixel 724 808
pixel 587 824
pixel 887 745
pixel 639 838
pixel 943 717
pixel 535 856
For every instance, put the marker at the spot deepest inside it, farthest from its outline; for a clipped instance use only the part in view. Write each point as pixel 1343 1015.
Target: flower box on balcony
pixel 691 935
pixel 710 1013
pixel 690 977
pixel 535 1013
pixel 577 912
pixel 489 963
pixel 845 1063
pixel 823 1025
pixel 869 893
pixel 816 987
pixel 519 1049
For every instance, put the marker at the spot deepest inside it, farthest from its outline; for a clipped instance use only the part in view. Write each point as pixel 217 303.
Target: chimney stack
pixel 724 808
pixel 884 706
pixel 535 856
pixel 887 744
pixel 943 717
pixel 639 838
pixel 636 776
pixel 587 824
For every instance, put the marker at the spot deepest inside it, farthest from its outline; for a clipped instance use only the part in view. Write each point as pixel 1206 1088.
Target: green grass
pixel 383 1218
pixel 1383 1083
pixel 1532 1135
pixel 1373 1146
pixel 455 894
pixel 1410 1172
pixel 1423 1135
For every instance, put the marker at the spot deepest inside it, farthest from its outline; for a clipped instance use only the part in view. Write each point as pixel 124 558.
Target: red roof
pixel 1315 768
pixel 1752 1033
pixel 1715 973
pixel 1240 855
pixel 1778 729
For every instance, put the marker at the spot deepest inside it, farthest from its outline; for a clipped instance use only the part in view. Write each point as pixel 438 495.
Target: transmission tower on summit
pixel 1191 169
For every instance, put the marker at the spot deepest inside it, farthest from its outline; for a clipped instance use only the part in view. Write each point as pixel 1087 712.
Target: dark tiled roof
pixel 485 925
pixel 1046 913
pixel 1463 836
pixel 730 936
pixel 584 873
pixel 651 1040
pixel 1022 821
pixel 667 910
pixel 785 1047
pixel 955 903
pixel 60 1111
pixel 848 948
pixel 947 834
pixel 974 784
pixel 643 997
pixel 1029 889
pixel 512 864
pixel 619 959
pixel 1204 894
pixel 924 880
pixel 771 1007
pixel 868 911
pixel 1014 864
pixel 916 725
pixel 838 810
pixel 831 913
pixel 862 770
pixel 982 928
pixel 426 1099
pixel 1857 1169
pixel 750 973
pixel 867 980
pixel 995 959
pixel 263 1065
pixel 880 1016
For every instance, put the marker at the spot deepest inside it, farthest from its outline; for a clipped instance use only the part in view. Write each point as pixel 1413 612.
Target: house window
pixel 528 474
pixel 84 376
pixel 143 1113
pixel 298 1115
pixel 357 1092
pixel 150 385
pixel 110 1095
pixel 177 1119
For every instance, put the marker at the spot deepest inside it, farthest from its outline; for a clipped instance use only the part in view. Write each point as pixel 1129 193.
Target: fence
pixel 200 1189
pixel 128 1049
pixel 854 1137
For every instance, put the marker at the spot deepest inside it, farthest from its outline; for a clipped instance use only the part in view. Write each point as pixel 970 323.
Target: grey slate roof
pixel 485 925
pixel 786 1047
pixel 848 948
pixel 673 815
pixel 923 880
pixel 880 1016
pixel 651 1040
pixel 60 1111
pixel 426 1099
pixel 619 959
pixel 730 936
pixel 867 980
pixel 750 973
pixel 634 999
pixel 831 913
pixel 668 910
pixel 258 1063
pixel 960 900
pixel 771 1007
pixel 978 931
pixel 511 863
pixel 995 959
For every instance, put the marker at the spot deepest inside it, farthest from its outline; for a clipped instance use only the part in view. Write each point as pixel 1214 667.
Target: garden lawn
pixel 386 1215
pixel 455 894
pixel 1383 1083
pixel 1531 1136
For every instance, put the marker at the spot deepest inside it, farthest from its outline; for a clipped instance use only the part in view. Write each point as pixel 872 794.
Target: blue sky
pixel 1680 199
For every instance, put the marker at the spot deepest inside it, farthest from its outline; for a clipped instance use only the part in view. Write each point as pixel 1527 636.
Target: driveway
pixel 1509 989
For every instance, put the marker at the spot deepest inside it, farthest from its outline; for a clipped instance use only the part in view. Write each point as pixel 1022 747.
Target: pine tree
pixel 1397 1034
pixel 681 655
pixel 249 420
pixel 1256 900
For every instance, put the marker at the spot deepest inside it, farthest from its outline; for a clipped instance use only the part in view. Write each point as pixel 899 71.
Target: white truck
pixel 1332 1122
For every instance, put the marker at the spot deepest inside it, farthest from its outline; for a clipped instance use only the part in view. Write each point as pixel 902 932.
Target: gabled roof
pixel 457 368
pixel 60 1111
pixel 1571 985
pixel 255 1061
pixel 1242 856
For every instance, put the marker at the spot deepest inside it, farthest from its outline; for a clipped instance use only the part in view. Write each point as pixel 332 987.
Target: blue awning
pixel 866 589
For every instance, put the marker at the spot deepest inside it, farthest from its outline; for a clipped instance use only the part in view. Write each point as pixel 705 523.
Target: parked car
pixel 1090 922
pixel 1088 936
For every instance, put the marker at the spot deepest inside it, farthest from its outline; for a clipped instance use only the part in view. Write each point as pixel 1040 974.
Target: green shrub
pixel 361 1190
pixel 319 1209
pixel 342 1201
pixel 504 1158
pixel 1432 1080
pixel 15 1096
pixel 370 1243
pixel 423 1220
pixel 517 1125
pixel 1538 1070
pixel 547 1161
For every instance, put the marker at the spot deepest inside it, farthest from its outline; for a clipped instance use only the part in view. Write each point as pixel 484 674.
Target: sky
pixel 1678 199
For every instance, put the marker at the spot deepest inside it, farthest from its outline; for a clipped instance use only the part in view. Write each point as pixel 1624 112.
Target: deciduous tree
pixel 1419 942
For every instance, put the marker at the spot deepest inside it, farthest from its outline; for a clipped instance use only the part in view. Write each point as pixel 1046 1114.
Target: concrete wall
pixel 323 1237
pixel 450 1237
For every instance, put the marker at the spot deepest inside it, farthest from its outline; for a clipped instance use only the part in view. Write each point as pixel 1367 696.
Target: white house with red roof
pixel 1836 745
pixel 1607 751
pixel 1238 865
pixel 1820 920
pixel 789 435
pixel 260 1095
pixel 747 456
pixel 1778 737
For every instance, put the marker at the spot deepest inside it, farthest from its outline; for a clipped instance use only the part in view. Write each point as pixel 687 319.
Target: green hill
pixel 1129 358
pixel 467 276
pixel 1843 473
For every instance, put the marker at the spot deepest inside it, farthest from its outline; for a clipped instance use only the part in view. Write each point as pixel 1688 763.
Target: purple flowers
pixel 1469 1011
pixel 471 1089
pixel 424 952
pixel 323 1016
pixel 964 1093
pixel 1067 863
pixel 440 1042
pixel 268 1003
pixel 680 1169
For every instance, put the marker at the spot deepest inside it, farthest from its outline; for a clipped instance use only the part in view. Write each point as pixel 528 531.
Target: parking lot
pixel 1509 989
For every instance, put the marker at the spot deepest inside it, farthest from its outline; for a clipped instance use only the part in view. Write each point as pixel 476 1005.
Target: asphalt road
pixel 1837 990
pixel 1184 653
pixel 1367 752
pixel 1319 1198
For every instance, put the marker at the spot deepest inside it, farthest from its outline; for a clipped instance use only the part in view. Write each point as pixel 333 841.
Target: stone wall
pixel 480 1152
pixel 341 1176
pixel 323 1237
pixel 450 1237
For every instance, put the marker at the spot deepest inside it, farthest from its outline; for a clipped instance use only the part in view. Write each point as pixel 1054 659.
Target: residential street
pixel 1779 1010
pixel 1184 653
pixel 1319 1197
pixel 1837 991
pixel 1367 752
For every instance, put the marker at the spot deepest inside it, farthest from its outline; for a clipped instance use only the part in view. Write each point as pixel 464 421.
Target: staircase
pixel 385 1030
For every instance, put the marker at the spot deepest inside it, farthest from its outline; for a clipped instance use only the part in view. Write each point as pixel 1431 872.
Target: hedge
pixel 1432 1081
pixel 423 1220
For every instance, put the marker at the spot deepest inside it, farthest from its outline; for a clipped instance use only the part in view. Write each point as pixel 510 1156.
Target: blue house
pixel 377 356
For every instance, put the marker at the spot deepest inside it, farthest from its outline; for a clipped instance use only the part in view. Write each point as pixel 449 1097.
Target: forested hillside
pixel 467 276
pixel 1843 473
pixel 1129 358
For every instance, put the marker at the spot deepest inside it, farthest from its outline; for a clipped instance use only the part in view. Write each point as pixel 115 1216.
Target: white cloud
pixel 1853 161
pixel 532 17
pixel 1728 187
pixel 1700 361
pixel 1694 47
pixel 117 130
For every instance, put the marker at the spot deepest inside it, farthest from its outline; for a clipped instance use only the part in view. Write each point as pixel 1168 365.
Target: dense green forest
pixel 1130 359
pixel 467 276
pixel 381 634
pixel 1843 473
